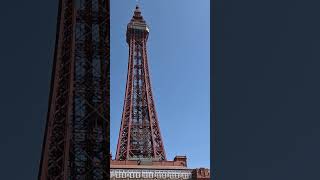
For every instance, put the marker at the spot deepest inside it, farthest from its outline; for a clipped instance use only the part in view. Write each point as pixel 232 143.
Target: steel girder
pixel 76 143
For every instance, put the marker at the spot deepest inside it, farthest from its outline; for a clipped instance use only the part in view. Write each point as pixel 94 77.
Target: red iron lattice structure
pixel 139 136
pixel 140 150
pixel 76 143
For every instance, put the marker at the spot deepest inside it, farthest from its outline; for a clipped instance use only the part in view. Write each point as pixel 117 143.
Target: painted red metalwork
pixel 76 142
pixel 139 136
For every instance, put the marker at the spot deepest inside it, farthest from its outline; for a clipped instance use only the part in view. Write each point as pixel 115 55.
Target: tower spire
pixel 137 12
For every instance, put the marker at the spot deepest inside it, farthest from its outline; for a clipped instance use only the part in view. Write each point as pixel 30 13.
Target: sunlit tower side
pixel 139 136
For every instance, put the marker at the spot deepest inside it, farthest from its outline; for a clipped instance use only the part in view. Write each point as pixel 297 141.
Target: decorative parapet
pixel 179 162
pixel 185 174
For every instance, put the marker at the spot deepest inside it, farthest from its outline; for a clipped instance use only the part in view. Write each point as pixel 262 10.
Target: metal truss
pixel 139 136
pixel 76 143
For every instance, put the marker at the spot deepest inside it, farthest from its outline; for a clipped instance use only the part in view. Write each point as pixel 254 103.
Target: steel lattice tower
pixel 139 136
pixel 76 142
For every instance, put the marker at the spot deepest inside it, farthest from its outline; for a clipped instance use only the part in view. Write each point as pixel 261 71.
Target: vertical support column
pixel 76 137
pixel 43 170
pixel 148 90
pixel 122 147
pixel 159 151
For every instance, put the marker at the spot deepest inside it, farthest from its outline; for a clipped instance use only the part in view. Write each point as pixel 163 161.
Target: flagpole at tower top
pixel 137 3
pixel 137 9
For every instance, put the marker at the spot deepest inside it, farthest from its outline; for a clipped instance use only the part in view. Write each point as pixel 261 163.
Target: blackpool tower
pixel 139 136
pixel 76 142
pixel 140 149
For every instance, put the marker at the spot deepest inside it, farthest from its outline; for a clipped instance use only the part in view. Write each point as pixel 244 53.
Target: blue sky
pixel 179 62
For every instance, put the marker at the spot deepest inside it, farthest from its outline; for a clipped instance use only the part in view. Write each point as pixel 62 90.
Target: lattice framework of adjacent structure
pixel 139 136
pixel 76 143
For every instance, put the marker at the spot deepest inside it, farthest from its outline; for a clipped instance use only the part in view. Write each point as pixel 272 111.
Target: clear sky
pixel 179 60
